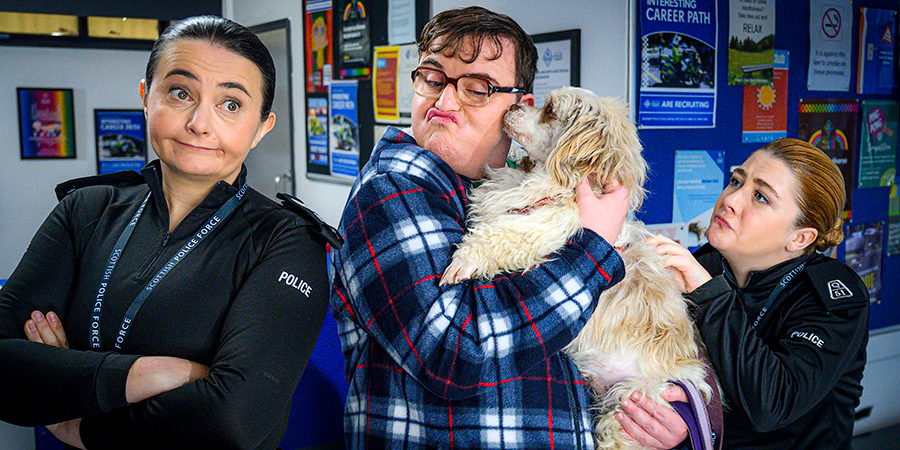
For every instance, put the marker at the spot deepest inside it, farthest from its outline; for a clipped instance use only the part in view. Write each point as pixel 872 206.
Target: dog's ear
pixel 601 141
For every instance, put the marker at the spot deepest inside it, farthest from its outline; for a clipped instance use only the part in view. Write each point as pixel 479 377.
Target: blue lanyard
pixel 220 215
pixel 785 281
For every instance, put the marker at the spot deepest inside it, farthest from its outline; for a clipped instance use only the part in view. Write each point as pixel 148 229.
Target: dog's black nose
pixel 515 107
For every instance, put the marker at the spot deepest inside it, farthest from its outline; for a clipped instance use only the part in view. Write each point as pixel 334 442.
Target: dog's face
pixel 537 129
pixel 578 134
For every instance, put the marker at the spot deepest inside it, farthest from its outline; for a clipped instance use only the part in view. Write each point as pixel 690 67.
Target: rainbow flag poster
pixel 46 123
pixel 830 124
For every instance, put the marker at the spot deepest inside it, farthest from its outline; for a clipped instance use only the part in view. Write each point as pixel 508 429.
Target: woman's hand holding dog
pixel 688 272
pixel 603 214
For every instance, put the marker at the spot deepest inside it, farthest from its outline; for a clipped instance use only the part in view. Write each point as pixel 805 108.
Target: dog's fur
pixel 640 336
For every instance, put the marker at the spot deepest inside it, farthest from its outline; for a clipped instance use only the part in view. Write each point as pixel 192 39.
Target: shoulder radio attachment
pixel 319 227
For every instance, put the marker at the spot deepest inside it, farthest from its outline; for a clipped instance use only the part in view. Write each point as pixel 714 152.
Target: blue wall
pixel 792 34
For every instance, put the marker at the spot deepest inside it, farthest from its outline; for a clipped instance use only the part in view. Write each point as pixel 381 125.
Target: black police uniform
pixel 792 382
pixel 248 301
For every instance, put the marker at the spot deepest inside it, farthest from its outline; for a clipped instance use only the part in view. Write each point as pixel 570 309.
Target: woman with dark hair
pixel 785 327
pixel 178 307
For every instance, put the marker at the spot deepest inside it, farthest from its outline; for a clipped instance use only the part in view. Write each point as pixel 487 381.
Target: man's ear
pixel 527 99
pixel 804 237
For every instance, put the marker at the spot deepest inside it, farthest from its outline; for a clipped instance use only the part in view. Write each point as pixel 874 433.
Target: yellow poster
pixel 384 84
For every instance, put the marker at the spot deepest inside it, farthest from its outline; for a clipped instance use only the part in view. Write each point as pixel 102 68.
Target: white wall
pixel 604 32
pixel 100 79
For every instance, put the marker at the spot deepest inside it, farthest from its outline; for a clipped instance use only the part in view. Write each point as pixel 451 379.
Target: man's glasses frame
pixel 464 96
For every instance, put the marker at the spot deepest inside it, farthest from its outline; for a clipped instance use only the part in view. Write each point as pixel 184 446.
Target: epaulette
pixel 319 227
pixel 118 179
pixel 837 285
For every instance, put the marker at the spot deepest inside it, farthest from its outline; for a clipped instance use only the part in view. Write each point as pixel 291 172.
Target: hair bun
pixel 833 237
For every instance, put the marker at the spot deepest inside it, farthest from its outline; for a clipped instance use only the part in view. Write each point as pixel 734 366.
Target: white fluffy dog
pixel 640 337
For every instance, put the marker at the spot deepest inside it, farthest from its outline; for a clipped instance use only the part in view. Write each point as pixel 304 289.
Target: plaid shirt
pixel 474 365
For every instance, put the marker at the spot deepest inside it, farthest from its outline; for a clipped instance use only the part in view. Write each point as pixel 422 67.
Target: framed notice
pixel 559 62
pixel 121 139
pixel 46 123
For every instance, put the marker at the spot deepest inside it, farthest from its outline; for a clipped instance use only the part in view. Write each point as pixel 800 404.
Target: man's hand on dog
pixel 602 214
pixel 653 425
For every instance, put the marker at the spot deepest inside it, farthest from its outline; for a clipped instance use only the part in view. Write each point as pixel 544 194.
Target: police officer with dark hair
pixel 785 327
pixel 175 308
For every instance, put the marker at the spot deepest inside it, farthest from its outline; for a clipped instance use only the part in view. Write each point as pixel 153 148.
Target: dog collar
pixel 542 202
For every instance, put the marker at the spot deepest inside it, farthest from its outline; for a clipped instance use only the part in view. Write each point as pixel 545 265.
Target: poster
pixel 401 21
pixel 354 42
pixel 751 44
pixel 317 45
pixel 678 64
pixel 558 63
pixel 698 182
pixel 344 129
pixel 830 24
pixel 121 140
pixel 765 107
pixel 862 252
pixel 317 134
pixel 878 143
pixel 830 124
pixel 893 232
pixel 877 37
pixel 407 61
pixel 46 123
pixel 384 84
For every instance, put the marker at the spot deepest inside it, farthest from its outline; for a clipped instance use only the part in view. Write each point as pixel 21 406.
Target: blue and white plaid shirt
pixel 474 365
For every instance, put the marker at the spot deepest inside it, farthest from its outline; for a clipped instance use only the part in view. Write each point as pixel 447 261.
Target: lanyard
pixel 220 215
pixel 785 281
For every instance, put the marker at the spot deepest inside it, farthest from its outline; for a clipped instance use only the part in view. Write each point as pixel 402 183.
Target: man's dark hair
pixel 227 34
pixel 448 31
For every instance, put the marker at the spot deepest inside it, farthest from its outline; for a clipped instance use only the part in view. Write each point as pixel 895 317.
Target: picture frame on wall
pixel 559 62
pixel 121 139
pixel 46 123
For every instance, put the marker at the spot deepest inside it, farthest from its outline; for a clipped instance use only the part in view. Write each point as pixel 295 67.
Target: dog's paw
pixel 458 271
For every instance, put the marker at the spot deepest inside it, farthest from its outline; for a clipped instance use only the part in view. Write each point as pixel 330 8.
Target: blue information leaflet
pixel 698 183
pixel 121 140
pixel 678 64
pixel 344 129
pixel 876 51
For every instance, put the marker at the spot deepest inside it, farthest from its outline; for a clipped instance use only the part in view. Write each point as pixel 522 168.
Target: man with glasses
pixel 478 364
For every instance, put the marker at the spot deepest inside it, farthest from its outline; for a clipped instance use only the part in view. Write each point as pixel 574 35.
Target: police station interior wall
pixel 100 79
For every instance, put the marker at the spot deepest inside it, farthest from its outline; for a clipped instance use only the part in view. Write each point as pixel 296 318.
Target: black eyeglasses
pixel 471 90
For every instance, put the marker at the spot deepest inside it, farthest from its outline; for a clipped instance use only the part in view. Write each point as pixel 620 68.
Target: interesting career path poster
pixel 344 129
pixel 765 107
pixel 878 143
pixel 678 64
pixel 121 140
pixel 830 124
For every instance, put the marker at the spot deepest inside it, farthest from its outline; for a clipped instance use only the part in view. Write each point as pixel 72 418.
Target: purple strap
pixel 696 417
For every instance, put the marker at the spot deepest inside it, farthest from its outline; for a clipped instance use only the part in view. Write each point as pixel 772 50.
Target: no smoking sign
pixel 831 23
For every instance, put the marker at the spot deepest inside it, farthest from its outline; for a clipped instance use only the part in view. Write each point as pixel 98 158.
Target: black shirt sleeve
pixel 267 338
pixel 774 382
pixel 33 376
